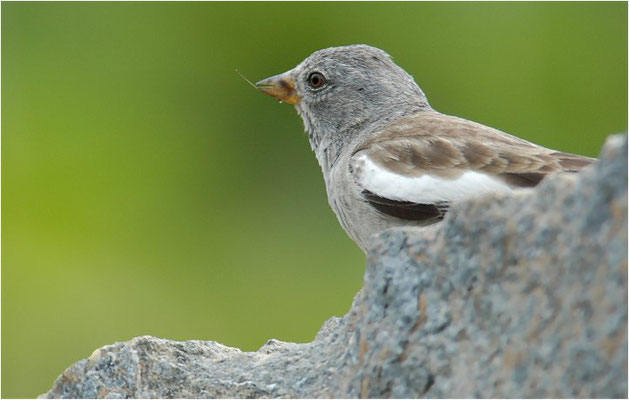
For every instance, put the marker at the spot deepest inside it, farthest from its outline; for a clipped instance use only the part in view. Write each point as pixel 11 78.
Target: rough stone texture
pixel 521 296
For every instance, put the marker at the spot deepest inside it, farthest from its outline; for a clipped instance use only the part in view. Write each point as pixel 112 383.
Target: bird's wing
pixel 417 166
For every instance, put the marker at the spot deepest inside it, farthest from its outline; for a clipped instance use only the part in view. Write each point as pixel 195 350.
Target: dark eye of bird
pixel 316 80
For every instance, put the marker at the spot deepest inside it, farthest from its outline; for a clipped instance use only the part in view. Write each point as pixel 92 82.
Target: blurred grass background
pixel 147 189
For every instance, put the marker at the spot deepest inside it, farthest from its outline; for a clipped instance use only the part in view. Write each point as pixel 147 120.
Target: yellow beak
pixel 282 87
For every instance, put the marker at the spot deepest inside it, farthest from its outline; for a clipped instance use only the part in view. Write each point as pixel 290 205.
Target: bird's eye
pixel 316 80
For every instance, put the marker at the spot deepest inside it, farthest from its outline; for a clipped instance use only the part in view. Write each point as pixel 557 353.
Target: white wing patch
pixel 425 189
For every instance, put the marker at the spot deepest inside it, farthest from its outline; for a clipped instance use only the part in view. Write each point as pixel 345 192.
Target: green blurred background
pixel 147 189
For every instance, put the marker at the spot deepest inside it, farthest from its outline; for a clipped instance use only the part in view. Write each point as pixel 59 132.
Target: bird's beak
pixel 282 87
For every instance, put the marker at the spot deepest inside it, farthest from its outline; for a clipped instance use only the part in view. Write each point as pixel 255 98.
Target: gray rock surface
pixel 521 296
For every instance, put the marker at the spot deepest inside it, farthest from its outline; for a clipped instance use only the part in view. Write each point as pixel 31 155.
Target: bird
pixel 388 158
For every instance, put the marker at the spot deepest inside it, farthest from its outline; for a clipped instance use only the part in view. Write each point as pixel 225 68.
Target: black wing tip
pixel 407 210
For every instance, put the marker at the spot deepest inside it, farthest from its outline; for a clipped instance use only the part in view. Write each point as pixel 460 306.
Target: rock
pixel 518 296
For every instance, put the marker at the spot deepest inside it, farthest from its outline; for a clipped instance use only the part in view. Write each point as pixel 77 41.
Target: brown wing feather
pixel 446 146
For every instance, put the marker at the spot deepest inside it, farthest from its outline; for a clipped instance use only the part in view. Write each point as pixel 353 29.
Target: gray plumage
pixel 389 159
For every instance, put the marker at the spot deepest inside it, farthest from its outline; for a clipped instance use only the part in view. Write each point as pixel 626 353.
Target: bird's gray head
pixel 343 92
